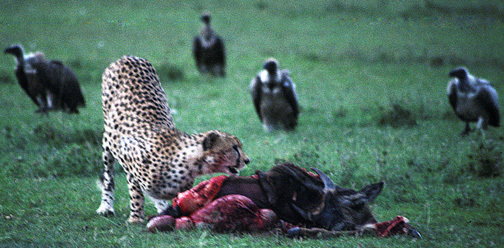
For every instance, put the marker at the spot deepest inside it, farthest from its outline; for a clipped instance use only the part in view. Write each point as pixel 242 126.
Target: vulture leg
pixel 466 130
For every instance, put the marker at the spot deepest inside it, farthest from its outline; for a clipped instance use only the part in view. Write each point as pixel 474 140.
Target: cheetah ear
pixel 210 141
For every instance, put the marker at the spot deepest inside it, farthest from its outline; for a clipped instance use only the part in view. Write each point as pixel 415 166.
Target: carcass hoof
pixel 161 223
pixel 293 232
pixel 414 233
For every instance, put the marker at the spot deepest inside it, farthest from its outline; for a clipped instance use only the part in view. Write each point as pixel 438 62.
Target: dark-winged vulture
pixel 275 99
pixel 208 50
pixel 49 84
pixel 473 100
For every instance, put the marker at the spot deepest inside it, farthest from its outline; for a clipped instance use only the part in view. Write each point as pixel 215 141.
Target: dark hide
pixel 279 189
pixel 343 209
pixel 301 198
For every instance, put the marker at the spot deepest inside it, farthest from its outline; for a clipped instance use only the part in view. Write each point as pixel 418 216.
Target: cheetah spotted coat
pixel 139 133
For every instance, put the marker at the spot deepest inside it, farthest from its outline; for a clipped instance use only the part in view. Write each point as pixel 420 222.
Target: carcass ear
pixel 210 141
pixel 372 190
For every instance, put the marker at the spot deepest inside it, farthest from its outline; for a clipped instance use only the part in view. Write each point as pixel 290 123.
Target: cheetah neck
pixel 188 149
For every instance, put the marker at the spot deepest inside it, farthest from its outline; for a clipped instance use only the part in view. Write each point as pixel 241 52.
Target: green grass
pixel 357 65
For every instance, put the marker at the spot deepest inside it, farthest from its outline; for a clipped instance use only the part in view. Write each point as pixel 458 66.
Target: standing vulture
pixel 50 84
pixel 274 97
pixel 208 50
pixel 473 100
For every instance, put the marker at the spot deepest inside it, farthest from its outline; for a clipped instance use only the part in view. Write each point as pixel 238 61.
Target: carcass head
pixel 340 208
pixel 285 186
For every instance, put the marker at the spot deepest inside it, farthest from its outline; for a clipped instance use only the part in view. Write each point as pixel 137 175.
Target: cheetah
pixel 159 160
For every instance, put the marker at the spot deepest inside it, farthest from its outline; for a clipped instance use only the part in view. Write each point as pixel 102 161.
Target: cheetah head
pixel 223 153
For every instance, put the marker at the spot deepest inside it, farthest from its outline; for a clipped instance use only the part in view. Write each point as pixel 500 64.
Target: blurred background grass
pixel 371 78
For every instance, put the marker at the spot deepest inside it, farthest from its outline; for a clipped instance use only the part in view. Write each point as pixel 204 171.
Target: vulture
pixel 49 84
pixel 275 99
pixel 473 100
pixel 208 50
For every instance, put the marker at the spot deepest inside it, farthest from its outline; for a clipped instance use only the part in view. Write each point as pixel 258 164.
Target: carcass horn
pixel 316 213
pixel 328 183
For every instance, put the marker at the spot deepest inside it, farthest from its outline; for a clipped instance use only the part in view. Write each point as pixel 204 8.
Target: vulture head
pixel 205 18
pixel 16 50
pixel 271 66
pixel 460 73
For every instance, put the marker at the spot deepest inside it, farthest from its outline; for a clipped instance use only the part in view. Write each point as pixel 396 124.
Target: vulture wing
pixel 256 92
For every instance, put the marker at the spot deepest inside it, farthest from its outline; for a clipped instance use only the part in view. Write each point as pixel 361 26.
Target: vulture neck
pixel 20 60
pixel 207 32
pixel 465 85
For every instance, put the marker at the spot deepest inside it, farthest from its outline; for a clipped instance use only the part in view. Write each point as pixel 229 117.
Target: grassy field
pixel 371 78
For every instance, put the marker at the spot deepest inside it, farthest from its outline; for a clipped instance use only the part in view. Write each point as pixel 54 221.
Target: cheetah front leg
pixel 107 185
pixel 136 200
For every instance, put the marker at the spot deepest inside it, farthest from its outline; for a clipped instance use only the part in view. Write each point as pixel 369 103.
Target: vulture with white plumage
pixel 473 100
pixel 49 84
pixel 275 99
pixel 208 50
